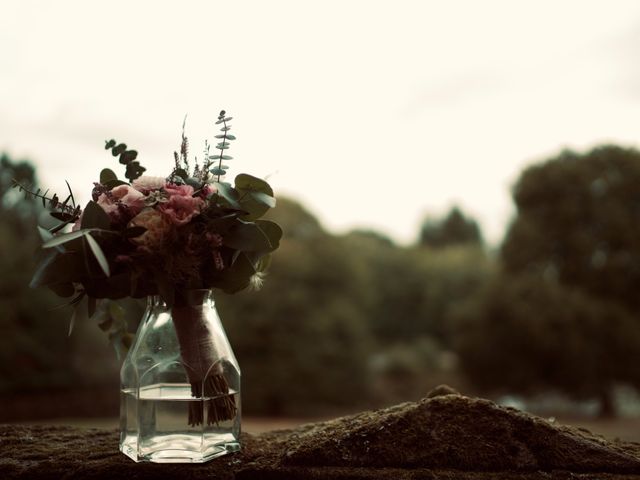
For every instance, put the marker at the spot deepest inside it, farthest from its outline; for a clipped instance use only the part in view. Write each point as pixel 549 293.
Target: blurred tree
pixel 32 337
pixel 454 229
pixel 579 221
pixel 302 340
pixel 529 335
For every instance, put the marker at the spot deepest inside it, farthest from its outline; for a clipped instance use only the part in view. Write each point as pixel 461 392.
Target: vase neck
pixel 187 298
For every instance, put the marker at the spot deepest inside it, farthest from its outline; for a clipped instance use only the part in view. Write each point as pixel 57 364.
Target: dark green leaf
pixel 99 254
pixel 220 121
pixel 223 146
pixel 231 137
pixel 263 198
pixel 227 192
pixel 114 183
pixel 128 156
pixel 107 175
pixel 134 170
pixel 238 276
pixel 45 234
pixel 225 129
pixel 60 239
pixel 218 171
pixel 62 216
pixel 110 144
pixel 247 185
pixel 118 150
pixel 247 237
pixel 95 217
pixel 272 231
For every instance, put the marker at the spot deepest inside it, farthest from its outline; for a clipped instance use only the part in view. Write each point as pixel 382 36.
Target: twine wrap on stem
pixel 200 357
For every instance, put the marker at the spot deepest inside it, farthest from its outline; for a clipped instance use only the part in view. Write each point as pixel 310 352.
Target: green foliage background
pixel 353 320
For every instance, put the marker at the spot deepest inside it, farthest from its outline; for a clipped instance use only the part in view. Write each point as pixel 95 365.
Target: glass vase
pixel 180 385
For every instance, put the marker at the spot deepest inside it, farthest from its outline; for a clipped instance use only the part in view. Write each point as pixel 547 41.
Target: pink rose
pixel 146 184
pixel 129 196
pixel 182 190
pixel 181 209
pixel 108 204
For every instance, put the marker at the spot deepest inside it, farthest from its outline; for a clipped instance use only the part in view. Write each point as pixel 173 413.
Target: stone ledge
pixel 446 436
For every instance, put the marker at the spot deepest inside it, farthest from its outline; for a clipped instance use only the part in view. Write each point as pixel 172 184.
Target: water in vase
pixel 155 425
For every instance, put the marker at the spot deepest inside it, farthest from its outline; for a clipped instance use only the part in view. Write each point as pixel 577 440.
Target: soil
pixel 444 436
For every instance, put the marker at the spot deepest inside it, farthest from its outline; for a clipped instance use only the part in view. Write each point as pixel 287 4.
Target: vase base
pixel 177 449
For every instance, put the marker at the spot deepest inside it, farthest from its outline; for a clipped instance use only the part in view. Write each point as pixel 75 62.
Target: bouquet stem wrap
pixel 201 358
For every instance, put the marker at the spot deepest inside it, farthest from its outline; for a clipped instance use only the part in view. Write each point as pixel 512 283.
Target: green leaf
pixel 237 277
pixel 218 171
pixel 110 144
pixel 57 268
pixel 99 254
pixel 116 151
pixel 45 234
pixel 225 129
pixel 223 146
pixel 42 270
pixel 128 156
pixel 219 121
pixel 263 198
pixel 114 183
pixel 272 231
pixel 60 239
pixel 247 185
pixel 95 217
pixel 247 237
pixel 227 192
pixel 134 170
pixel 107 175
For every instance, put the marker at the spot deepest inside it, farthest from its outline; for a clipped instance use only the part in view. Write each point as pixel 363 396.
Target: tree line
pixel 345 321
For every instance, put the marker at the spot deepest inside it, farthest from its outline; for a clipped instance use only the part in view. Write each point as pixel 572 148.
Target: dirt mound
pixel 444 436
pixel 452 431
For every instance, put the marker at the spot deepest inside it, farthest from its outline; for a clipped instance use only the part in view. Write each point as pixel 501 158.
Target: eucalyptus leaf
pixel 107 175
pixel 247 237
pixel 118 150
pixel 45 234
pixel 61 239
pixel 128 156
pixel 95 217
pixel 227 192
pixel 218 171
pixel 110 144
pixel 99 254
pixel 273 232
pixel 263 198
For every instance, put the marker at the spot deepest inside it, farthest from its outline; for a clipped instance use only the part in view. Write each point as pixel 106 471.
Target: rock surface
pixel 444 436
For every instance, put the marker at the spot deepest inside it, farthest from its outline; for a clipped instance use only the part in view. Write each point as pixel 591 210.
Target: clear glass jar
pixel 180 385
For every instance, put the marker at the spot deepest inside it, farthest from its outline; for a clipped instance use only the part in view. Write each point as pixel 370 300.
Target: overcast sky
pixel 372 113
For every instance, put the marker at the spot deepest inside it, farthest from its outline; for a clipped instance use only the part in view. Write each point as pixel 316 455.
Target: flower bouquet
pixel 164 237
